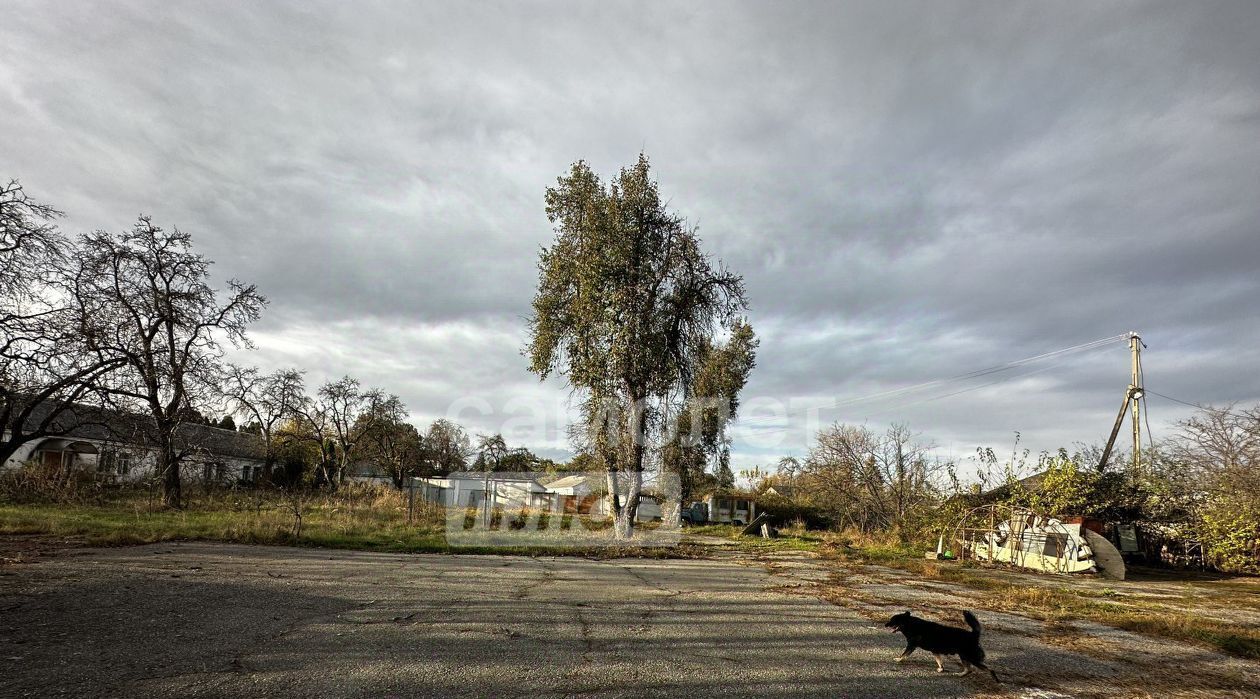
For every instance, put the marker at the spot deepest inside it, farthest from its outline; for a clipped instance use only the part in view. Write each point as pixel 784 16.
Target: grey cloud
pixel 912 191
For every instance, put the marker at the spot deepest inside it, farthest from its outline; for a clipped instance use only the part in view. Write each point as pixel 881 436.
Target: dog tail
pixel 973 622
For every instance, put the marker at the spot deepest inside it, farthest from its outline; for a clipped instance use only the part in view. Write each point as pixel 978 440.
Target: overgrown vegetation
pixel 371 519
pixel 353 517
pixel 791 539
pixel 1195 497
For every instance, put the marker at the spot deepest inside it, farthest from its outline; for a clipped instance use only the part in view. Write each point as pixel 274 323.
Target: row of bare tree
pixel 125 320
pixel 857 478
pixel 128 323
pixel 344 425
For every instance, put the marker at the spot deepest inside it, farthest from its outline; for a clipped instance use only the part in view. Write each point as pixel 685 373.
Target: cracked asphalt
pixel 220 620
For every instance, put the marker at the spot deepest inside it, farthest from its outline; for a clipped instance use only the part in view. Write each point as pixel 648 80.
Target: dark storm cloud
pixel 912 190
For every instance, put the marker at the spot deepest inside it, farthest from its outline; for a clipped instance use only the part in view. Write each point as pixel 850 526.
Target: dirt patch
pixel 1044 656
pixel 16 549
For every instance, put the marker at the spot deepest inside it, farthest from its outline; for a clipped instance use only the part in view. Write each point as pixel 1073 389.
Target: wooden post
pixel 1135 395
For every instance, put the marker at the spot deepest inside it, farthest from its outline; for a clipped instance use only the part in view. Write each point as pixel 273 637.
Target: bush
pixel 37 482
pixel 1230 532
pixel 784 512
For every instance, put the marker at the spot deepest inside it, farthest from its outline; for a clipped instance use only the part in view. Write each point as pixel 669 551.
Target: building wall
pixel 452 492
pixel 649 508
pixel 726 509
pixel 141 462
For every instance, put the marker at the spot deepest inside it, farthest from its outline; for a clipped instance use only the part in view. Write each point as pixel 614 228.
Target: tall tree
pixel 45 367
pixel 447 447
pixel 491 450
pixel 625 300
pixel 519 459
pixel 340 413
pixel 144 297
pixel 709 404
pixel 389 441
pixel 266 401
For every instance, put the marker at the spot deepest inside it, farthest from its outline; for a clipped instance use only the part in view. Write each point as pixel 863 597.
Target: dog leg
pixel 905 653
pixel 939 666
pixel 982 666
pixel 966 669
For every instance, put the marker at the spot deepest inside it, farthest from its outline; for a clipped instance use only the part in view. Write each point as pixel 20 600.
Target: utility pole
pixel 1132 399
pixel 1135 396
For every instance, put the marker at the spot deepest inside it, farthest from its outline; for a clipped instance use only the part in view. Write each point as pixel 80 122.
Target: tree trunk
pixel 623 528
pixel 171 489
pixel 671 514
pixel 623 525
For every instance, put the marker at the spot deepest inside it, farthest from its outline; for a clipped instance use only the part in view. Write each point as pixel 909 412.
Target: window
pixel 114 462
pixel 1056 545
pixel 213 472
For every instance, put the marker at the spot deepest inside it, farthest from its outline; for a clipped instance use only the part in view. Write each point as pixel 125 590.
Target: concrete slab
pixel 217 620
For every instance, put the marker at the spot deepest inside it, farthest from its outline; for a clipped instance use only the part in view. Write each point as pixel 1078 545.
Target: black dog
pixel 940 640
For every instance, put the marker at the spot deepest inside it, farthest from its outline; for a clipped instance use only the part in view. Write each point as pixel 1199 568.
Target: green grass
pixel 114 525
pixel 788 540
pixel 362 520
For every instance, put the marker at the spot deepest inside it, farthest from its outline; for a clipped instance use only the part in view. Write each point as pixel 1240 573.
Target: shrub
pixel 784 512
pixel 37 482
pixel 1230 532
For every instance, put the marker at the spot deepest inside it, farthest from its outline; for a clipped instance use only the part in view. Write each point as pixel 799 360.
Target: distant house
pixel 650 507
pixel 783 490
pixel 370 473
pixel 471 489
pixel 731 508
pixel 112 445
pixel 373 479
pixel 571 494
pixel 576 493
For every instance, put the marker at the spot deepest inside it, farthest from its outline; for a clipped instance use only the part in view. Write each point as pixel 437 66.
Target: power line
pixel 901 405
pixel 1093 344
pixel 1200 406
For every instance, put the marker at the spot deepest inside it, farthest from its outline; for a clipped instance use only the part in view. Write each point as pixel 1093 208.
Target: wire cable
pixel 1200 406
pixel 899 406
pixel 1093 344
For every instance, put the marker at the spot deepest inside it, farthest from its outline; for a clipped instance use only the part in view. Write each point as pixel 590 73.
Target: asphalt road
pixel 214 620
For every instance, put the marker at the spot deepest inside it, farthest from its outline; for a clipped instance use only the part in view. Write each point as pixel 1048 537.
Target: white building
pixel 732 508
pixel 112 446
pixel 471 489
pixel 581 494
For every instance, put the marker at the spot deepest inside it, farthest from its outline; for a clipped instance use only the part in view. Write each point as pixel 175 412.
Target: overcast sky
pixel 911 191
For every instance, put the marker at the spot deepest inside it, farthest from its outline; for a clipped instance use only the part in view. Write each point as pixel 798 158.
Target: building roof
pixel 103 424
pixel 567 482
pixel 498 477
